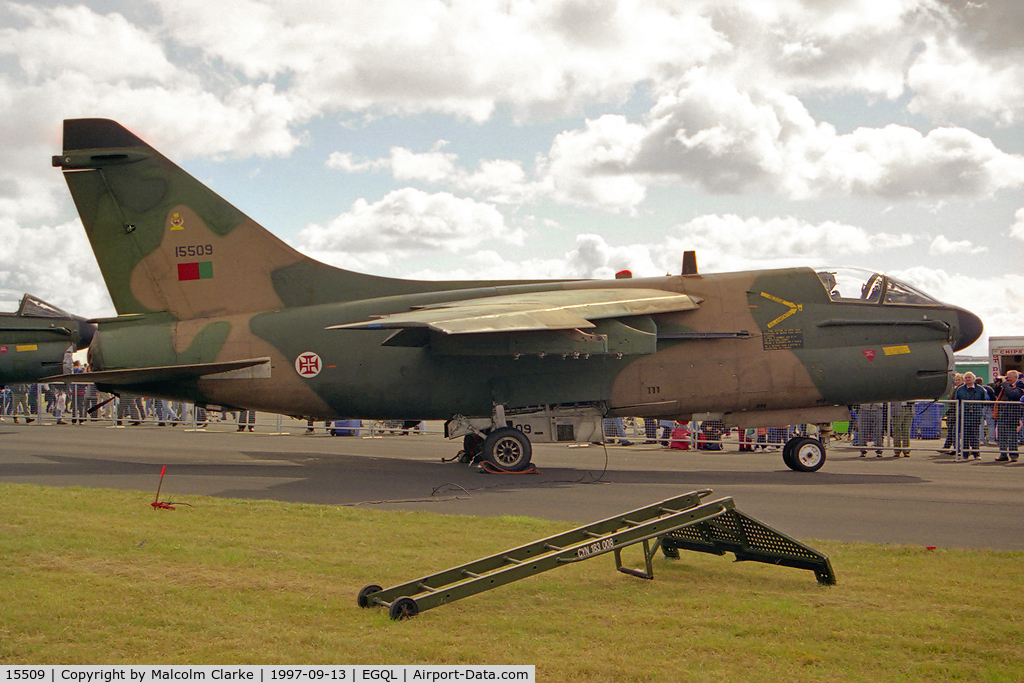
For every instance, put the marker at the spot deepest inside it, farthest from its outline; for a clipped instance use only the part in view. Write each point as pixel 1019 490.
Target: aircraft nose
pixel 969 328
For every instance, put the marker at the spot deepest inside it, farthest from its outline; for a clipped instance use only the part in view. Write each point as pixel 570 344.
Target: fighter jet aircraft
pixel 213 308
pixel 36 338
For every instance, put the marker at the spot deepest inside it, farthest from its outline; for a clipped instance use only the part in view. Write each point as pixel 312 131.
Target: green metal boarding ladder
pixel 684 522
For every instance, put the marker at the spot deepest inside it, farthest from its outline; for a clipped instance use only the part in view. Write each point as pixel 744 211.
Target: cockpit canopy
pixel 855 285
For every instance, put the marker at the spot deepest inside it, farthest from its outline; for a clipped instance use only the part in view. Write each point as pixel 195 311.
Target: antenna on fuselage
pixel 690 263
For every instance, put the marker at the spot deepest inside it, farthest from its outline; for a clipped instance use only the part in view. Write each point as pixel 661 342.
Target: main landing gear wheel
pixel 508 448
pixel 804 454
pixel 472 445
pixel 363 599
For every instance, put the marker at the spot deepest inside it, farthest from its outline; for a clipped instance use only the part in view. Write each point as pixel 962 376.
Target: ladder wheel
pixel 403 608
pixel 363 599
pixel 508 448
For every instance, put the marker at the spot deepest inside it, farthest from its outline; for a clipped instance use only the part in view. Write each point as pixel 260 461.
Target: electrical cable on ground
pixel 505 484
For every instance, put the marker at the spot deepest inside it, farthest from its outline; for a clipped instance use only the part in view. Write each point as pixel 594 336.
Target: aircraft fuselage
pixel 763 341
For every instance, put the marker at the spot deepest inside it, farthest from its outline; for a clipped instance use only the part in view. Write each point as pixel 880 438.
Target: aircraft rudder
pixel 81 134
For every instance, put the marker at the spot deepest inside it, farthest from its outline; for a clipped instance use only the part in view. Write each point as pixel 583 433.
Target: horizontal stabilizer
pixel 163 373
pixel 562 309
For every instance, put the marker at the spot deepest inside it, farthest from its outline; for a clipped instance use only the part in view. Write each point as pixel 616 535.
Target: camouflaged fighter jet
pixel 36 339
pixel 213 308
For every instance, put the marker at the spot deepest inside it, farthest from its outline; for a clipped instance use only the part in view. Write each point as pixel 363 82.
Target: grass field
pixel 99 577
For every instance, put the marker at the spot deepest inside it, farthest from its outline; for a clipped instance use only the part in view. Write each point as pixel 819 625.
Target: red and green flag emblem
pixel 195 271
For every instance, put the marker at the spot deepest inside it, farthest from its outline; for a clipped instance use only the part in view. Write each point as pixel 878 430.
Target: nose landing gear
pixel 804 454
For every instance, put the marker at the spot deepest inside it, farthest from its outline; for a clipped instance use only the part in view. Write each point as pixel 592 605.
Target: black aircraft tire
pixel 787 453
pixel 508 448
pixel 806 455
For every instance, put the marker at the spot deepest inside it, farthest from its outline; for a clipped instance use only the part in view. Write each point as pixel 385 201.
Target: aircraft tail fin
pixel 167 243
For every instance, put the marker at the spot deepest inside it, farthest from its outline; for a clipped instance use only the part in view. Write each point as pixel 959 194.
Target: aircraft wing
pixel 162 373
pixel 565 309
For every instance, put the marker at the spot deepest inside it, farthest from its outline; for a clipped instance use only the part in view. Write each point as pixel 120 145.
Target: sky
pixel 556 139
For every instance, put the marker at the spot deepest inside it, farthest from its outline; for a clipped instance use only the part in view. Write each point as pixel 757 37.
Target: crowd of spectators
pixel 975 415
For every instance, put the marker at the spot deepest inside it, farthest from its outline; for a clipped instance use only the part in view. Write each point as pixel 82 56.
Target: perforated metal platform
pixel 751 541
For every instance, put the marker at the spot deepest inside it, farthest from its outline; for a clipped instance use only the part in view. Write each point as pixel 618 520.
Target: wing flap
pixel 564 309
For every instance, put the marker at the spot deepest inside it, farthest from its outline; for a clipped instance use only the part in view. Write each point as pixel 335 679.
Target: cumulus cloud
pixel 950 81
pixel 710 134
pixel 500 181
pixel 469 57
pixel 729 242
pixel 409 221
pixel 433 166
pixel 1017 229
pixel 346 161
pixel 462 57
pixel 55 263
pixel 722 242
pixel 592 256
pixel 942 246
pixel 727 76
pixel 68 62
pixel 107 47
pixel 593 166
pixel 971 69
pixel 713 136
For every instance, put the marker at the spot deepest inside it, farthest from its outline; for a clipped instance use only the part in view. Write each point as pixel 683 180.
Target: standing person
pixel 987 429
pixel 60 403
pixel 164 412
pixel 902 416
pixel 870 427
pixel 78 405
pixel 1020 385
pixel 747 438
pixel 20 402
pixel 970 400
pixel 958 381
pixel 666 430
pixel 91 401
pixel 614 429
pixel 246 418
pixel 309 426
pixel 650 430
pixel 1008 414
pixel 992 413
pixel 128 406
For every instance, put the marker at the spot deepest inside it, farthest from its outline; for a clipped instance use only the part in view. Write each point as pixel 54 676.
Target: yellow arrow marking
pixel 793 308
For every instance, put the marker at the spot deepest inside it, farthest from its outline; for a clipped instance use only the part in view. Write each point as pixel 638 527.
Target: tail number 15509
pixel 193 250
